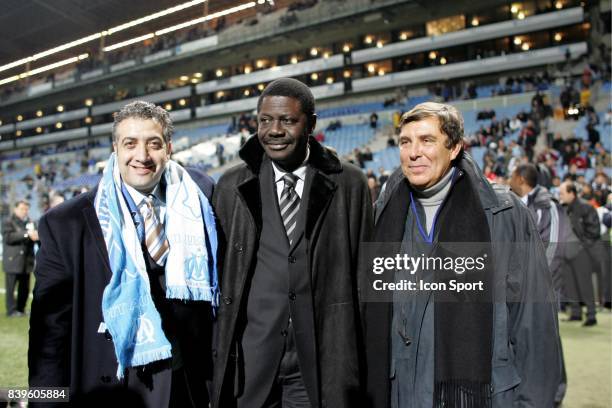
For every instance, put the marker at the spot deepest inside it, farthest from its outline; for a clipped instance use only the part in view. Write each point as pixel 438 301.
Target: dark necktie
pixel 289 206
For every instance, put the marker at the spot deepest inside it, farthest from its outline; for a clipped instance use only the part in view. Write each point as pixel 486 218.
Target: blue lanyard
pixel 138 219
pixel 428 237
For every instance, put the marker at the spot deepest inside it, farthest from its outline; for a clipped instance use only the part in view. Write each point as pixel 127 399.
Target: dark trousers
pixel 579 286
pixel 22 281
pixel 289 390
pixel 160 386
pixel 600 254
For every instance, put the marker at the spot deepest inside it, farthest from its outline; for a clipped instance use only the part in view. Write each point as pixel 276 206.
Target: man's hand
pixel 33 235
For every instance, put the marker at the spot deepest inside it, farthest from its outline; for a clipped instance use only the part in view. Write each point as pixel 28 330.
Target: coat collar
pixel 321 158
pixel 319 187
pixel 468 167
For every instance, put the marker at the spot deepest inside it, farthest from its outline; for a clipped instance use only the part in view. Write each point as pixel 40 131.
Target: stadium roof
pixel 31 26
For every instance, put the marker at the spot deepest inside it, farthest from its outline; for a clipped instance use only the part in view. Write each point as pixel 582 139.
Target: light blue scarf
pixel 191 274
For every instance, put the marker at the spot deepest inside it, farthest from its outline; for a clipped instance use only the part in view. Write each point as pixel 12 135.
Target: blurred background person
pixel 18 236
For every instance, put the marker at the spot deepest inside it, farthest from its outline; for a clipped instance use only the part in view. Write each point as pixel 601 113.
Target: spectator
pixel 373 120
pixel 585 225
pixel 18 237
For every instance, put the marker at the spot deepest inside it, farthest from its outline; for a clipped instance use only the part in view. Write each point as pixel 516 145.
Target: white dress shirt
pixel 159 204
pixel 300 173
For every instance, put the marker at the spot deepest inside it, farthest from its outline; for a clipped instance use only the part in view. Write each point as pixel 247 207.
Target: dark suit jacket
pixel 18 249
pixel 66 348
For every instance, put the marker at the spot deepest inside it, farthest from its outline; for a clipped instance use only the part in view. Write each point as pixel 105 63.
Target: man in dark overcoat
pixel 292 217
pixel 125 278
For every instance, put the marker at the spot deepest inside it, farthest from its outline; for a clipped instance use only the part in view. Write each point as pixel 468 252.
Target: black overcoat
pixel 338 219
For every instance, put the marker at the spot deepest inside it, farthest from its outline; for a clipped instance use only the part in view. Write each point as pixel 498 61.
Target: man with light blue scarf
pixel 126 278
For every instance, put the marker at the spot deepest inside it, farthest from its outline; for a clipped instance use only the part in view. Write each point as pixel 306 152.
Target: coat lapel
pixel 250 194
pixel 320 195
pixel 91 220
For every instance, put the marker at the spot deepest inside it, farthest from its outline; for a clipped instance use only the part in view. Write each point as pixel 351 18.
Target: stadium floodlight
pixel 43 69
pixel 14 64
pixel 128 42
pixel 154 16
pixel 66 46
pixel 96 36
pixel 9 79
pixel 209 17
pixel 54 65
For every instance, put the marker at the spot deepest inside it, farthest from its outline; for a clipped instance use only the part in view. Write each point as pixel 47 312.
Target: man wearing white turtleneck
pixel 495 347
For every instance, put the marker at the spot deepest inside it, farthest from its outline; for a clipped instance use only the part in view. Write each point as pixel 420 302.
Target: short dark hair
pixel 529 173
pixel 145 110
pixel 451 121
pixel 291 88
pixel 19 202
pixel 570 187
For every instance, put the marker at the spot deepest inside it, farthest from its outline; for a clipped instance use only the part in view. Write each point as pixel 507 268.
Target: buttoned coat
pixel 338 219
